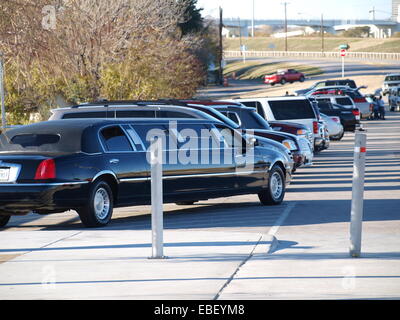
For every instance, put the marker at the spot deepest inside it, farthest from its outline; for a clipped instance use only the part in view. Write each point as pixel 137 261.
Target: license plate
pixel 4 174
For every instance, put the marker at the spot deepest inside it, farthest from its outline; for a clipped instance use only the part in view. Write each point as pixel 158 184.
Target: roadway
pixel 366 73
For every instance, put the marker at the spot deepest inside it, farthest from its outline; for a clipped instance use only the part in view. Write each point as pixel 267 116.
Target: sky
pixel 298 9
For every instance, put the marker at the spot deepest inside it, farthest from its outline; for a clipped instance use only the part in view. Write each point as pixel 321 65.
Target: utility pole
pixel 286 29
pixel 221 72
pixel 373 13
pixel 240 34
pixel 252 23
pixel 2 93
pixel 322 33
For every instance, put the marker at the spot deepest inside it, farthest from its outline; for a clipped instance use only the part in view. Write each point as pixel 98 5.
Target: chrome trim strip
pixel 42 184
pixel 134 179
pixel 237 173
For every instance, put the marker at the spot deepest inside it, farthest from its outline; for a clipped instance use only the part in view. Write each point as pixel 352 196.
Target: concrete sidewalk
pixel 309 262
pixel 101 264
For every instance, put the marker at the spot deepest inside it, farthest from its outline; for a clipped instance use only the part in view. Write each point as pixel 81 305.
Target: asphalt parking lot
pixel 230 248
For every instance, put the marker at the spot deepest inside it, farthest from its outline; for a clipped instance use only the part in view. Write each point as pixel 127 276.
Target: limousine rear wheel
pixel 275 192
pixel 4 220
pixel 98 211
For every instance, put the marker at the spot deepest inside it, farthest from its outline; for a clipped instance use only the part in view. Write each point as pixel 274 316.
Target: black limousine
pixel 94 165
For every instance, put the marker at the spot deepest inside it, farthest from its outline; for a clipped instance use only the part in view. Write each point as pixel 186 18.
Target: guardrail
pixel 312 54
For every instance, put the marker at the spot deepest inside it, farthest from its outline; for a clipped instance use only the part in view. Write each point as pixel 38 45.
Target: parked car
pixel 342 100
pixel 248 119
pixel 124 109
pixel 290 109
pixel 283 76
pixel 328 83
pixel 359 99
pixel 95 165
pixel 349 118
pixel 297 129
pixel 394 99
pixel 322 128
pixel 335 128
pixel 168 109
pixel 391 80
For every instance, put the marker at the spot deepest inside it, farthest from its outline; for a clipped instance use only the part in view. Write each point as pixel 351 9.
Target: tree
pixel 192 19
pixel 83 49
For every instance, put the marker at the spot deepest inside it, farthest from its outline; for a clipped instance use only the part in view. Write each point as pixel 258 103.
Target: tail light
pixel 356 112
pixel 315 127
pixel 336 119
pixel 46 170
pixel 359 100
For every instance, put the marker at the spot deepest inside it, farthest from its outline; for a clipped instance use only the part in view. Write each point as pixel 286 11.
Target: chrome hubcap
pixel 276 185
pixel 101 203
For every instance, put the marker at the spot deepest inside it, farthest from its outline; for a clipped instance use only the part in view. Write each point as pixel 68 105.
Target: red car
pixel 283 76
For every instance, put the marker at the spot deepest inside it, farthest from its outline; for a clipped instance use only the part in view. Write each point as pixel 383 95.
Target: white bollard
pixel 157 227
pixel 357 202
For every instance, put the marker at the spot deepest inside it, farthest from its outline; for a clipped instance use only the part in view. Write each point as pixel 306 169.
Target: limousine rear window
pixel 292 109
pixel 35 140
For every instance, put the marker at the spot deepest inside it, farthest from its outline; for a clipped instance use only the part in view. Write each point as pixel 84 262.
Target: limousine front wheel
pixel 275 192
pixel 98 211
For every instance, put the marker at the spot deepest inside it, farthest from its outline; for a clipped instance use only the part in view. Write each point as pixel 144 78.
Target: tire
pixel 275 192
pixel 4 220
pixel 283 81
pixel 301 79
pixel 99 208
pixel 272 84
pixel 337 137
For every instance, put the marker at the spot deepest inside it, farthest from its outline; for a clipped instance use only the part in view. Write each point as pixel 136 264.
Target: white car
pixel 335 128
pixel 394 99
pixel 391 80
pixel 290 109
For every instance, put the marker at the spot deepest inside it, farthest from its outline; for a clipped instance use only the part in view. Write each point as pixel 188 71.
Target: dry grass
pixel 251 70
pixel 315 44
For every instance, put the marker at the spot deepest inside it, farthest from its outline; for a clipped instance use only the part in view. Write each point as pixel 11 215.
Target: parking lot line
pixel 274 229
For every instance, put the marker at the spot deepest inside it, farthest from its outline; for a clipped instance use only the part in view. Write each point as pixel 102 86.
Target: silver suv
pixel 124 110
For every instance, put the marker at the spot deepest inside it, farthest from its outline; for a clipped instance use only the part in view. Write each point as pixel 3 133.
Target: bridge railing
pixel 310 54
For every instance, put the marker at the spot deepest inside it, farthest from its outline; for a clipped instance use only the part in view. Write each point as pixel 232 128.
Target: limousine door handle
pixel 114 161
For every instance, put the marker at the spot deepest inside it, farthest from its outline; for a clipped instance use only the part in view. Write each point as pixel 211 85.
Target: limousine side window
pixel 198 135
pixel 143 130
pixel 114 139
